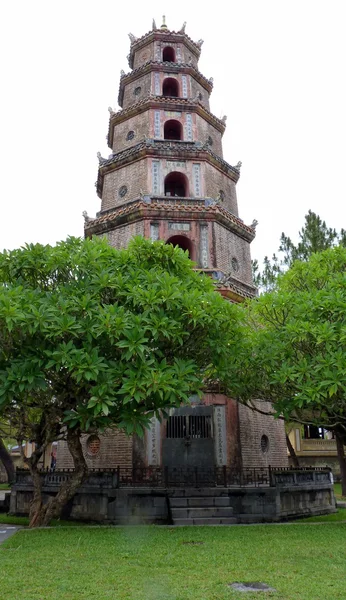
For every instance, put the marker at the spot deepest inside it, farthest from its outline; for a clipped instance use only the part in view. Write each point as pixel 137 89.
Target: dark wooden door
pixel 189 440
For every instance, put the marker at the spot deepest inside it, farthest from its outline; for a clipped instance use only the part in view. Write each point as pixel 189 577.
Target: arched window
pixel 168 54
pixel 176 184
pixel 170 87
pixel 183 242
pixel 173 130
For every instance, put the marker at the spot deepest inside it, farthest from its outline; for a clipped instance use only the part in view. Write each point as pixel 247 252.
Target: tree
pixel 92 337
pixel 314 236
pixel 294 353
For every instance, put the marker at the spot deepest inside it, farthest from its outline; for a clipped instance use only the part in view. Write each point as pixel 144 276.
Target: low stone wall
pixel 292 494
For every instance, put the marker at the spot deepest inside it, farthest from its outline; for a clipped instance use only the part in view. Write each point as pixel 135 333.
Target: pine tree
pixel 314 236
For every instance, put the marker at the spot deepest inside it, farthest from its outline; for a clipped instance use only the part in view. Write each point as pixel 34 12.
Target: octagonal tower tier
pixel 166 177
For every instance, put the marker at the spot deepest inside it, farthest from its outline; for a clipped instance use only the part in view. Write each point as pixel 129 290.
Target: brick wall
pixel 115 450
pixel 215 181
pixel 227 245
pixel 144 82
pixel 204 130
pixel 253 426
pixel 138 124
pixel 134 176
pixel 197 88
pixel 143 55
pixel 120 237
pixel 149 52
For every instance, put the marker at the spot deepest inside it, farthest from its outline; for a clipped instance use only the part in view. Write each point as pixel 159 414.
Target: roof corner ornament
pixel 238 165
pixel 224 118
pixel 254 224
pixel 87 219
pixel 122 73
pixel 133 38
pixel 154 25
pixel 182 29
pixel 199 43
pixel 211 80
pixel 163 26
pixel 101 159
pixel 111 111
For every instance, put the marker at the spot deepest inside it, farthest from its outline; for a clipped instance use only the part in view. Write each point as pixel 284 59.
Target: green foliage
pixel 314 236
pixel 99 337
pixel 295 348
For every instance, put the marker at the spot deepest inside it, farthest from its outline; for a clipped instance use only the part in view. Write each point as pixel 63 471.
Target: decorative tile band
pixel 156 176
pixel 204 250
pixel 157 124
pixel 154 232
pixel 184 85
pixel 197 179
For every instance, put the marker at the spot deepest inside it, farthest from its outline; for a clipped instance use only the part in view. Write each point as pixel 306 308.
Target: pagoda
pixel 166 179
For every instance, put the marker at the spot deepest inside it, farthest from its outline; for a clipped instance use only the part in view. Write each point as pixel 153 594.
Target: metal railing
pixel 179 477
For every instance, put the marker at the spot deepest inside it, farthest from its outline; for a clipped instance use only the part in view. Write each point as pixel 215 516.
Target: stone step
pixel 199 501
pixel 206 521
pixel 195 492
pixel 340 504
pixel 196 513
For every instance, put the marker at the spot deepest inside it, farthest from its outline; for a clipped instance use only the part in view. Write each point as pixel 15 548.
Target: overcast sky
pixel 279 76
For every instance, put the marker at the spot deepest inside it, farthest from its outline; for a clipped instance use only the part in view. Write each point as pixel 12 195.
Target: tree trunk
pixel 292 452
pixel 36 502
pixel 7 461
pixel 342 461
pixel 54 506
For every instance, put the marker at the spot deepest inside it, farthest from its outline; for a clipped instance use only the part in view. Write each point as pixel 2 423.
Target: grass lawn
pixel 337 492
pixel 302 561
pixel 4 486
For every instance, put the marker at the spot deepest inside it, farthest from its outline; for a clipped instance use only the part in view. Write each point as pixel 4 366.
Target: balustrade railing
pixel 179 477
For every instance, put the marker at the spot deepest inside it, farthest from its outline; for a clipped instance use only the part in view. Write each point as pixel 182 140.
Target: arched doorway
pixel 173 130
pixel 176 184
pixel 168 54
pixel 183 242
pixel 170 88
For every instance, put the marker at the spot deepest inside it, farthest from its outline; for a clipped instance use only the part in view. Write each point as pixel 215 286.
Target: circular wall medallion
pixel 137 90
pixel 264 443
pixel 122 191
pixel 235 265
pixel 130 135
pixel 93 445
pixel 221 195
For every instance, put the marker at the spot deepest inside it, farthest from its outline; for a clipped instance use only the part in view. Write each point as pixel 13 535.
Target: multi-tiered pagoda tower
pixel 166 179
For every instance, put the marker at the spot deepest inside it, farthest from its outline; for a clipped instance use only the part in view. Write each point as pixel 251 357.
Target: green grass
pixel 340 515
pixel 6 519
pixel 337 492
pixel 302 562
pixel 4 486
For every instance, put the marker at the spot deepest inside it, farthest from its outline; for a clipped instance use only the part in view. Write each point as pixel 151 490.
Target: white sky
pixel 279 75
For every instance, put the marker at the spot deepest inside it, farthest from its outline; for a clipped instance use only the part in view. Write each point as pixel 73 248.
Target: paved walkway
pixel 6 531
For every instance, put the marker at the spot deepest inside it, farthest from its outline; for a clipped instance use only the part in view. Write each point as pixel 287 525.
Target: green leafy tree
pixel 294 352
pixel 92 337
pixel 314 236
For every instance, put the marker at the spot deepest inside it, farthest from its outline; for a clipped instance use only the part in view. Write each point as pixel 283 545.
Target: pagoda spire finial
pixel 164 26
